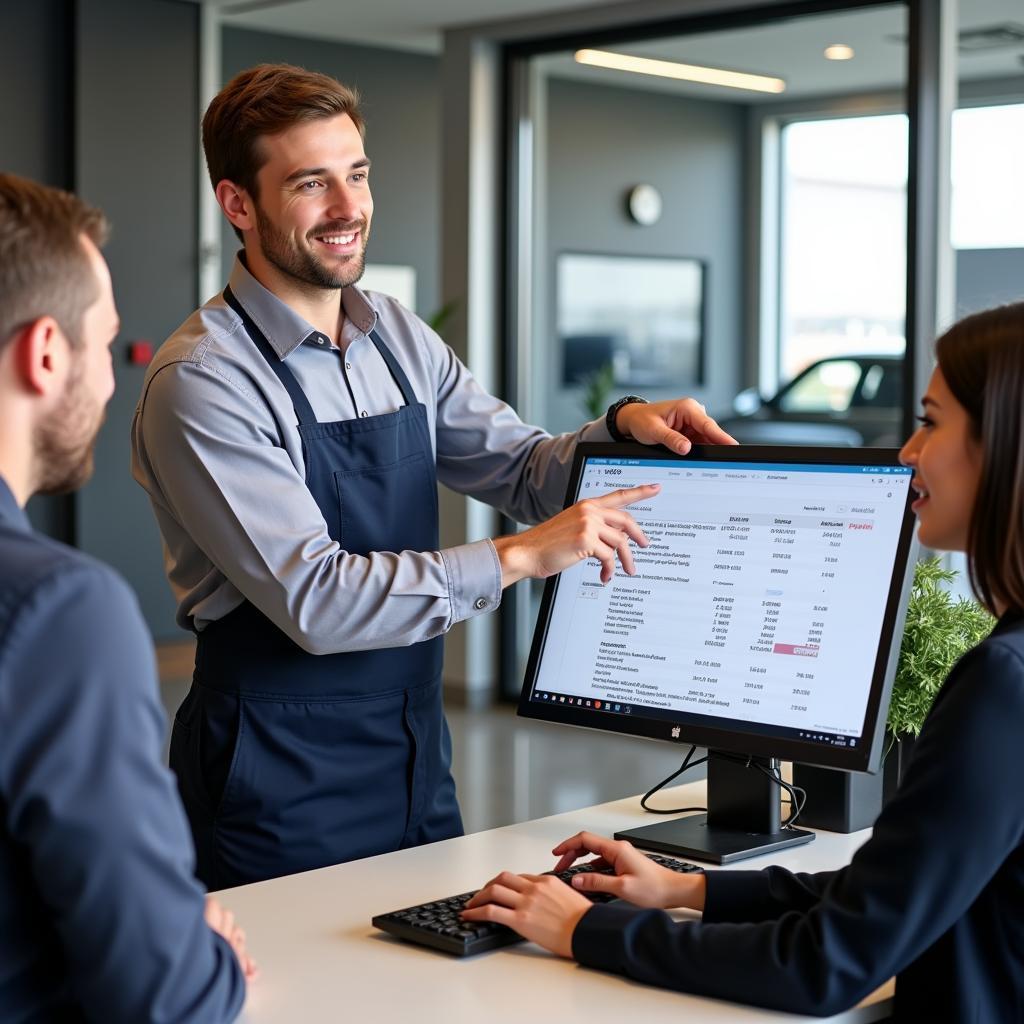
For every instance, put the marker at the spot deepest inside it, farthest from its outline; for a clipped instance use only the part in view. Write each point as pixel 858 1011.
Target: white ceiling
pixel 397 24
pixel 791 49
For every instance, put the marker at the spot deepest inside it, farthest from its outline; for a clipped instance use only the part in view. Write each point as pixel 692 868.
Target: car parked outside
pixel 850 401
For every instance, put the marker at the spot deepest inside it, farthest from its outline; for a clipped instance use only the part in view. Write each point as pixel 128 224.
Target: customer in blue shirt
pixel 936 896
pixel 101 917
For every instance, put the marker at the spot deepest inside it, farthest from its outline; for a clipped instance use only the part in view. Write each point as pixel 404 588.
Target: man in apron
pixel 291 435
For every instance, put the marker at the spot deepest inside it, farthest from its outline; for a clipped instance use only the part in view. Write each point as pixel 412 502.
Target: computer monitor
pixel 763 623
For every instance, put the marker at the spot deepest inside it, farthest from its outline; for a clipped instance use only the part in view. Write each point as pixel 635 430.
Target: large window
pixel 843 239
pixel 987 170
pixel 843 228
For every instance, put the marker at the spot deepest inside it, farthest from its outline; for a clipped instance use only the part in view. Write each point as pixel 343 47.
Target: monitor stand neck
pixel 744 816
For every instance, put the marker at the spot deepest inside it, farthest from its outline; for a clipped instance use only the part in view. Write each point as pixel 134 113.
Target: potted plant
pixel 939 629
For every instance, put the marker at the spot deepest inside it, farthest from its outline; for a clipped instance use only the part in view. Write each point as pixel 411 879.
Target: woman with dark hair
pixel 936 896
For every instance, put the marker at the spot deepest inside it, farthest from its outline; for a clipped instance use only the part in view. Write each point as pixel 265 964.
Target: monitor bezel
pixel 866 756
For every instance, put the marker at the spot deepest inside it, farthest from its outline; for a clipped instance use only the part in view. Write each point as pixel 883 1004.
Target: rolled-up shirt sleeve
pixel 211 448
pixel 86 798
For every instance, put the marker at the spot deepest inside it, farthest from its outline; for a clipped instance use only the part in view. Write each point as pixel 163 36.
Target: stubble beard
pixel 64 445
pixel 303 266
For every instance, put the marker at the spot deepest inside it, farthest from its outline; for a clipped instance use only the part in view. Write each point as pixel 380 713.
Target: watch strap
pixel 613 412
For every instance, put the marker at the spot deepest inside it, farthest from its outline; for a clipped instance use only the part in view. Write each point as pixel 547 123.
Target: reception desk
pixel 321 960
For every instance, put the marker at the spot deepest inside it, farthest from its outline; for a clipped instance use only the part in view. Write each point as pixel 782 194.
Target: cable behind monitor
pixel 774 775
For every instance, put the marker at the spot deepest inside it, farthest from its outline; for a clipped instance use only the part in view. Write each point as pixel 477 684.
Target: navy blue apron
pixel 288 761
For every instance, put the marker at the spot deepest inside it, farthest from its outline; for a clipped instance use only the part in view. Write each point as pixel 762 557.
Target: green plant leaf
pixel 438 320
pixel 597 387
pixel 939 630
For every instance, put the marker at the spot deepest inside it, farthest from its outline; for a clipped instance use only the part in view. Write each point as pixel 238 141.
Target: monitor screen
pixel 762 616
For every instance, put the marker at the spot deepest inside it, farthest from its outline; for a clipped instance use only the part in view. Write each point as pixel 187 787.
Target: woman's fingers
pixel 506 889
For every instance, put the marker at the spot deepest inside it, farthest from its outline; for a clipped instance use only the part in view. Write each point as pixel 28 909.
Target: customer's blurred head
pixel 57 321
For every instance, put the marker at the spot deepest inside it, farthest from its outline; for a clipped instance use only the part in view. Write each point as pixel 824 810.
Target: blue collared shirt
pixel 216 446
pixel 101 917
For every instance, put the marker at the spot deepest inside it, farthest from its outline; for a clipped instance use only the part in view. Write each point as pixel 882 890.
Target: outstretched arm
pixel 485 450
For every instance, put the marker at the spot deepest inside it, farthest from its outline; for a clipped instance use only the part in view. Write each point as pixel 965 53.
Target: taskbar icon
pixel 591 703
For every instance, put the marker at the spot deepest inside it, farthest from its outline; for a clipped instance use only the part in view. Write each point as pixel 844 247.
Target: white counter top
pixel 321 960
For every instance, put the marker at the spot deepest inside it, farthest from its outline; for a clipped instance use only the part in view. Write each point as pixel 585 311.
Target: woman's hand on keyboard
pixel 541 908
pixel 637 878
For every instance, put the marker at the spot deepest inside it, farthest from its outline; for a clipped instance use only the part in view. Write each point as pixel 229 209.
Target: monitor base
pixel 693 838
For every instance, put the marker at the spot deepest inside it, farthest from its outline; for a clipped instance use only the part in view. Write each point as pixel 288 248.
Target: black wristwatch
pixel 613 411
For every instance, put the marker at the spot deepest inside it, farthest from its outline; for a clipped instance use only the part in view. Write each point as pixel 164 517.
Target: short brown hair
pixel 981 359
pixel 265 100
pixel 44 269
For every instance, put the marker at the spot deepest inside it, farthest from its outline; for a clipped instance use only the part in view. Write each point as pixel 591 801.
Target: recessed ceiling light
pixel 839 51
pixel 680 72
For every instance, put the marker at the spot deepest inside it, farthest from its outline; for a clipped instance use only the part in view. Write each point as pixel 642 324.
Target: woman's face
pixel 946 460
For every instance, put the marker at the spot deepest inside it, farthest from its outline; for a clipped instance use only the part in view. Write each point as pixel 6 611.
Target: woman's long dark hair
pixel 982 361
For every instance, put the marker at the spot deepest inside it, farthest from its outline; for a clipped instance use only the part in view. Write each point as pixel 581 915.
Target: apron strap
pixel 303 410
pixel 395 367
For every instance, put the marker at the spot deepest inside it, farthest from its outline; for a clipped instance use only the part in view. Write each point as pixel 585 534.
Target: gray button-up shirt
pixel 216 445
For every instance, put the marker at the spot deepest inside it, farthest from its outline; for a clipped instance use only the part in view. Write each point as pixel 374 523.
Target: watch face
pixel 644 203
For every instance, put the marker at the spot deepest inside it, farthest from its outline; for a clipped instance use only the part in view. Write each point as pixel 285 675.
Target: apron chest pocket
pixel 385 508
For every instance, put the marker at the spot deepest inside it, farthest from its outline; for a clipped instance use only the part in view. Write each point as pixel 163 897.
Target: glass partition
pixel 749 151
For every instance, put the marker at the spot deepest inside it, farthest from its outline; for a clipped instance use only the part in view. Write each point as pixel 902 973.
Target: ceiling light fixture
pixel 681 72
pixel 839 51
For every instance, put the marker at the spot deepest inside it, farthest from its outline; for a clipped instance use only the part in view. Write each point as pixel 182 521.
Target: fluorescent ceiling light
pixel 839 51
pixel 681 72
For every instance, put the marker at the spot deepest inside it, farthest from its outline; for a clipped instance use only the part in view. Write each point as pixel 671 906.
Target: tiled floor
pixel 509 770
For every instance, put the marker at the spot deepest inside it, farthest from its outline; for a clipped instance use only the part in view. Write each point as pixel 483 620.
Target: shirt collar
pixel 11 513
pixel 1008 619
pixel 284 328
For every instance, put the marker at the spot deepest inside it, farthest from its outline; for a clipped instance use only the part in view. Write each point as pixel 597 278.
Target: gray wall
pixel 100 96
pixel 401 104
pixel 601 141
pixel 35 112
pixel 35 90
pixel 136 129
pixel 988 277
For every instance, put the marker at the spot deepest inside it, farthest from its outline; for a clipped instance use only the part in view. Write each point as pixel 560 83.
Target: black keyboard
pixel 438 924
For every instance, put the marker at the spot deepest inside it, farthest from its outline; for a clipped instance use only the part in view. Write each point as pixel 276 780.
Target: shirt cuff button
pixel 480 603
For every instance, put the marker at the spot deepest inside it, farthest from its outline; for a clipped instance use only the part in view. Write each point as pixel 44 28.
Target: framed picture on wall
pixel 641 315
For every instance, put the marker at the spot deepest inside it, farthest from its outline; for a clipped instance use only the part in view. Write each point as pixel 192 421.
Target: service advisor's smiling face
pixel 946 459
pixel 314 207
